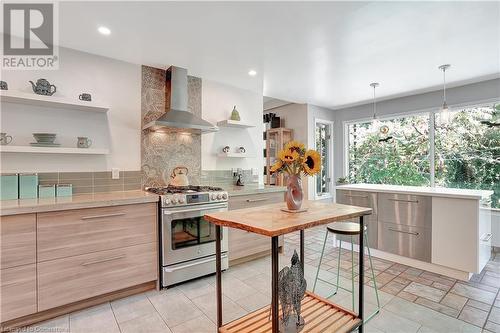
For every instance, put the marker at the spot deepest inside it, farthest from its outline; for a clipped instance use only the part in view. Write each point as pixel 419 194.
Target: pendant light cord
pixel 444 85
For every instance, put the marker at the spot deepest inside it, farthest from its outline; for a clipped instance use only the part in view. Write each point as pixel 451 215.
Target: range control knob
pixel 181 200
pixel 224 196
pixel 166 201
pixel 219 196
pixel 174 200
pixel 214 196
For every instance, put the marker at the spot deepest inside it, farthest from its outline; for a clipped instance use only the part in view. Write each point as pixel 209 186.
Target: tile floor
pixel 412 300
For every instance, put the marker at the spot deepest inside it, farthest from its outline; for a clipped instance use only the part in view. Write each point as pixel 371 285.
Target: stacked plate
pixel 45 140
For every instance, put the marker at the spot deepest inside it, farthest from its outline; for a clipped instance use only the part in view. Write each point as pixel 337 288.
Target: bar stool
pixel 348 229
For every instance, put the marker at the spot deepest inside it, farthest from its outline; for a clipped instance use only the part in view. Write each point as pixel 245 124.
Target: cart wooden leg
pixel 361 272
pixel 218 275
pixel 274 291
pixel 302 249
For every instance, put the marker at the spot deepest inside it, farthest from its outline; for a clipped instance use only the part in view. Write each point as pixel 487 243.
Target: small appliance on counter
pixel 28 186
pixel 9 186
pixel 179 176
pixel 47 191
pixel 64 190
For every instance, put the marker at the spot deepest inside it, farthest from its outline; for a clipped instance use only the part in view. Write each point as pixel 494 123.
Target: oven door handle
pixel 194 209
pixel 196 263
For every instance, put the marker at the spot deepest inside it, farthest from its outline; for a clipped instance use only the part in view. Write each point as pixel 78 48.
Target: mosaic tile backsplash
pixel 162 152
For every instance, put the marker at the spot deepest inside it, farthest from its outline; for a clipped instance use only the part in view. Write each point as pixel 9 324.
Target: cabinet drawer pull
pixel 487 237
pixel 402 200
pixel 256 200
pixel 90 217
pixel 404 232
pixel 102 260
pixel 356 196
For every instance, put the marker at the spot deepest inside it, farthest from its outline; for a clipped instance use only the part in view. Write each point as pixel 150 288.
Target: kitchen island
pixel 443 230
pixel 319 314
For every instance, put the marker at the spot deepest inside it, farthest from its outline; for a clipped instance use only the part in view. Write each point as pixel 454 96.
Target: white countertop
pixel 420 190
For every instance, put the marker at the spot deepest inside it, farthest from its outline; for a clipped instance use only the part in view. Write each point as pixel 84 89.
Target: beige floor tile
pixel 474 293
pixel 59 325
pixel 428 318
pixel 254 302
pixel 495 315
pixel 438 307
pixel 236 289
pixel 97 319
pixel 174 307
pixel 479 305
pixel 196 288
pixel 149 323
pixel 230 309
pixel 474 316
pixel 454 301
pixel 199 325
pixel 132 307
pixel 492 327
pixel 390 322
pixel 261 282
pixel 428 292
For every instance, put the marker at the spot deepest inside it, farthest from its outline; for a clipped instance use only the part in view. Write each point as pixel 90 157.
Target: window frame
pixel 430 112
pixel 330 194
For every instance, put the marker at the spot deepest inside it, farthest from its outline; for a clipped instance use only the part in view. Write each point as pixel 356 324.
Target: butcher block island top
pixel 270 220
pixel 320 315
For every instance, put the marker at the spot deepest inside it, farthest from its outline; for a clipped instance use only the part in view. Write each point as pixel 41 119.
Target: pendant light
pixel 375 121
pixel 444 113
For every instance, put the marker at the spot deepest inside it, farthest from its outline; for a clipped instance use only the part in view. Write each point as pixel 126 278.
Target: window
pixel 466 150
pixel 394 151
pixel 323 138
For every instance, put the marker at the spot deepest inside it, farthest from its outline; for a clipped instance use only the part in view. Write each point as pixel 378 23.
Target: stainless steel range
pixel 187 240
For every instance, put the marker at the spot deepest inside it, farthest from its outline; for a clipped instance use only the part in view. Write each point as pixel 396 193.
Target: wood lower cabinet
pixel 53 259
pixel 244 245
pixel 17 292
pixel 75 232
pixel 71 279
pixel 17 240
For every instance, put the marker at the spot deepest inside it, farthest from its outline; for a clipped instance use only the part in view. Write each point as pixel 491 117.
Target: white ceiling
pixel 324 53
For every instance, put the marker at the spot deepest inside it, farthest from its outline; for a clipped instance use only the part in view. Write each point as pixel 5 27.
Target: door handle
pixel 91 217
pixel 256 200
pixel 103 260
pixel 356 196
pixel 486 237
pixel 173 269
pixel 402 200
pixel 404 232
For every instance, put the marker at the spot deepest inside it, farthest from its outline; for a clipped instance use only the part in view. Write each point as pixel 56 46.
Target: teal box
pixel 46 191
pixel 9 186
pixel 64 190
pixel 28 185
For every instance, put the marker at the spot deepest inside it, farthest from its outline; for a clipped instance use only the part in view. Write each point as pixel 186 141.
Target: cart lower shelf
pixel 320 315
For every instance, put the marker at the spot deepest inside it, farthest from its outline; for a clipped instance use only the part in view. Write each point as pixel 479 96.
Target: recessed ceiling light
pixel 104 30
pixel 252 72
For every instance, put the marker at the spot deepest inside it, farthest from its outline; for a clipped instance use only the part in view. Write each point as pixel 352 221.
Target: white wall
pixel 217 103
pixel 111 82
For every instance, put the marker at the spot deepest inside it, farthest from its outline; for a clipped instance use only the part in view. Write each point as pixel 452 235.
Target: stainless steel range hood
pixel 177 117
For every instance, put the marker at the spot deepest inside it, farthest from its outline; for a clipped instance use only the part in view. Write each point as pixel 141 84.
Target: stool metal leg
pixel 352 272
pixel 338 268
pixel 373 279
pixel 320 259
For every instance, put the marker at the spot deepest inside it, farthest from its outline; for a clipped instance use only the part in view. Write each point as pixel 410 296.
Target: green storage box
pixel 64 190
pixel 47 191
pixel 28 185
pixel 9 186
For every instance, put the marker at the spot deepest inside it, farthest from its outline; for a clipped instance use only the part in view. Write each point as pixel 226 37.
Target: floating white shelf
pixel 18 97
pixel 233 123
pixel 53 150
pixel 234 155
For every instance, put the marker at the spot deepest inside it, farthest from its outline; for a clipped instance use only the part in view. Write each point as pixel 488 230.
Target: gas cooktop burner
pixel 183 189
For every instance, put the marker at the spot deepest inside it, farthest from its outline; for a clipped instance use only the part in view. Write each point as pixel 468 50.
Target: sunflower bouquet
pixel 295 159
